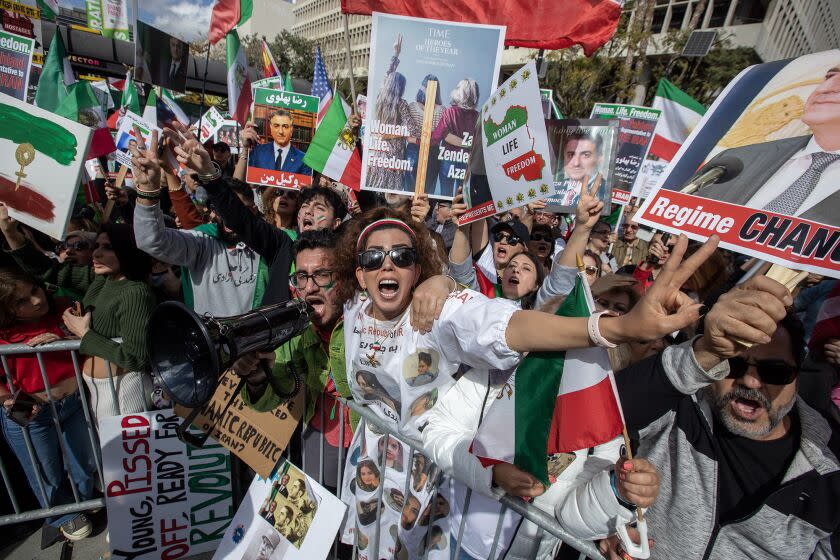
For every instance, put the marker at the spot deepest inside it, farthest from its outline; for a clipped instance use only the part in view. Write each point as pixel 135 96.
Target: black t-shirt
pixel 750 470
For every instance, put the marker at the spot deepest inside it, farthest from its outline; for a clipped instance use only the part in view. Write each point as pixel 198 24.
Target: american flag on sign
pixel 321 86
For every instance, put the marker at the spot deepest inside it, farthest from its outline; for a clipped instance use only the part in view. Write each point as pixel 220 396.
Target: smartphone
pixel 21 410
pixel 665 238
pixel 77 308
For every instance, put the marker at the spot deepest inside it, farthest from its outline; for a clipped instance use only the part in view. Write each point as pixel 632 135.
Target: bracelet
pixel 454 282
pixel 205 178
pixel 629 505
pixel 595 333
pixel 148 195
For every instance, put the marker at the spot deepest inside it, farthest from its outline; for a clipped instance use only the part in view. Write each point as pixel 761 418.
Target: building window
pixel 677 15
pixel 750 11
pixel 659 19
pixel 719 9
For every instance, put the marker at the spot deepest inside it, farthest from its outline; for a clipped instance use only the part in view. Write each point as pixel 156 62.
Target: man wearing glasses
pixel 317 355
pixel 754 470
pixel 630 249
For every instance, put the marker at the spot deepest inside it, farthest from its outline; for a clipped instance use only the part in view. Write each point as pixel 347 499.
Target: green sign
pixel 286 100
pixel 614 111
pixel 94 14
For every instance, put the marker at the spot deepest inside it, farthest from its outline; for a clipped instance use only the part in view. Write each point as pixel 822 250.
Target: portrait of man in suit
pixel 278 153
pixel 796 176
pixel 160 58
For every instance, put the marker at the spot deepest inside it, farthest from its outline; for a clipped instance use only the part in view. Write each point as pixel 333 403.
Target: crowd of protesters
pixel 729 388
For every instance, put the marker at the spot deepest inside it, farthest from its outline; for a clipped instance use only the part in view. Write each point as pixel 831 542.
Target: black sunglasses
pixel 373 259
pixel 541 237
pixel 773 372
pixel 511 239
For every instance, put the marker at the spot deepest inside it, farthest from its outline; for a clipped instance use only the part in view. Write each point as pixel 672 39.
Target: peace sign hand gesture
pixel 145 163
pixel 589 207
pixel 188 150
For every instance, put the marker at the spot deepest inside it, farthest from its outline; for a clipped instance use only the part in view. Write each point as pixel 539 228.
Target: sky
pixel 187 19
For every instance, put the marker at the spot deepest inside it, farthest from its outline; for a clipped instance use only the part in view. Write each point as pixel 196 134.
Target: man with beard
pixel 317 354
pixel 749 469
pixel 223 276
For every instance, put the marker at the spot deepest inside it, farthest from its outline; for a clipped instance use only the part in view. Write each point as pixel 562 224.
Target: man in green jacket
pixel 317 355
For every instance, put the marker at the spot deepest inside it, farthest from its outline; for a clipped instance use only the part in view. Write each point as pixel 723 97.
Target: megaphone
pixel 190 353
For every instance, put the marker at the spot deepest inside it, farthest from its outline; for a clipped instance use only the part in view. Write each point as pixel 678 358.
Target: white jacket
pixel 581 499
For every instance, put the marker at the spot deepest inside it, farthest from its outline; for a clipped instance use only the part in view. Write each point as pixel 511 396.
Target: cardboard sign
pixel 513 167
pixel 15 61
pixel 761 169
pixel 211 121
pixel 258 438
pixel 582 148
pixel 165 499
pixel 228 133
pixel 42 157
pixel 635 132
pixel 288 516
pixel 159 58
pixel 464 59
pixel 283 118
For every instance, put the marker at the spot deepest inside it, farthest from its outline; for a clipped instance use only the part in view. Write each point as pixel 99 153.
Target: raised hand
pixel 589 207
pixel 664 308
pixel 398 45
pixel 637 481
pixel 419 207
pixel 188 150
pixel 145 163
pixel 459 206
pixel 248 136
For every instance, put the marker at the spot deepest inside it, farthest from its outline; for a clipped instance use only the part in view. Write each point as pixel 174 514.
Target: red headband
pixel 385 222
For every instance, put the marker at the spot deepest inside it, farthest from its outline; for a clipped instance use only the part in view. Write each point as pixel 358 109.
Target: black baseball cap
pixel 514 227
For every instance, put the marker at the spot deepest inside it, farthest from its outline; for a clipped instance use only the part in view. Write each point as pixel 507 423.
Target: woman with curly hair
pixel 385 255
pixel 280 208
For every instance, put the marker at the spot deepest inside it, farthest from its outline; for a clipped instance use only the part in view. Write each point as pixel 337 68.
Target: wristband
pixel 148 195
pixel 629 505
pixel 205 178
pixel 595 333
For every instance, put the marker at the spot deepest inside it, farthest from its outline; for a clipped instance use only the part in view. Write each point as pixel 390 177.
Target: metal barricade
pixel 78 505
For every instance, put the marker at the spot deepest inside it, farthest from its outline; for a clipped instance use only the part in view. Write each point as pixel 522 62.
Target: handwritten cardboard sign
pixel 258 438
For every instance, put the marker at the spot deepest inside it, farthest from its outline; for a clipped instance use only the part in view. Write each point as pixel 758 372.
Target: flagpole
pixel 204 87
pixel 349 59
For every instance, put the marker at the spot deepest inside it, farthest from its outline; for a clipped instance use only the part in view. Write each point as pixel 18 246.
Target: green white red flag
pixel 567 403
pixel 240 97
pixel 228 15
pixel 333 150
pixel 680 114
pixel 56 76
pixel 84 106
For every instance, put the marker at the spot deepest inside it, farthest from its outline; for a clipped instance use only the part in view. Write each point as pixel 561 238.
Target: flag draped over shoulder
pixel 680 114
pixel 228 15
pixel 56 76
pixel 240 97
pixel 537 25
pixel 333 149
pixel 566 403
pixel 321 86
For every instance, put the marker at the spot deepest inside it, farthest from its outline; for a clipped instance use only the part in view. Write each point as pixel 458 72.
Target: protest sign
pixel 126 136
pixel 550 109
pixel 24 19
pixel 650 177
pixel 211 121
pixel 160 58
pixel 274 82
pixel 93 9
pixel 769 166
pixel 229 134
pixel 635 132
pixel 406 54
pixel 258 438
pixel 115 19
pixel 509 163
pixel 286 517
pixel 581 148
pixel 361 110
pixel 41 160
pixel 283 119
pixel 165 499
pixel 15 60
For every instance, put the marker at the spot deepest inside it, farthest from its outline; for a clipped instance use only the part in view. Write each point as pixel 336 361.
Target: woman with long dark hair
pixel 117 303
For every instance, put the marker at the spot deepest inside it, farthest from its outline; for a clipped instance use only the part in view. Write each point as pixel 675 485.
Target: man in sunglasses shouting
pixel 750 470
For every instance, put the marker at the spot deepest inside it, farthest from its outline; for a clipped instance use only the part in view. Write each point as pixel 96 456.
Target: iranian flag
pixel 161 109
pixel 130 100
pixel 240 97
pixel 567 403
pixel 84 106
pixel 680 114
pixel 56 76
pixel 228 15
pixel 333 149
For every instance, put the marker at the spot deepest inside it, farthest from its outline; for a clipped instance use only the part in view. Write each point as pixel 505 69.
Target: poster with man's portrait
pixel 160 59
pixel 762 168
pixel 584 154
pixel 407 54
pixel 285 122
pixel 286 516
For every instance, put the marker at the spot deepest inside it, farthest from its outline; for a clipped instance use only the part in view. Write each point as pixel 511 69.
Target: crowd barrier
pixel 545 523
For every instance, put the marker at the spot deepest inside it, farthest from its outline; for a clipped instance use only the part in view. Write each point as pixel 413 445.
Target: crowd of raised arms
pixel 729 388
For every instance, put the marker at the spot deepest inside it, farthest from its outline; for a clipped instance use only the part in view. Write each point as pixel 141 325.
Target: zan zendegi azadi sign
pixel 164 498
